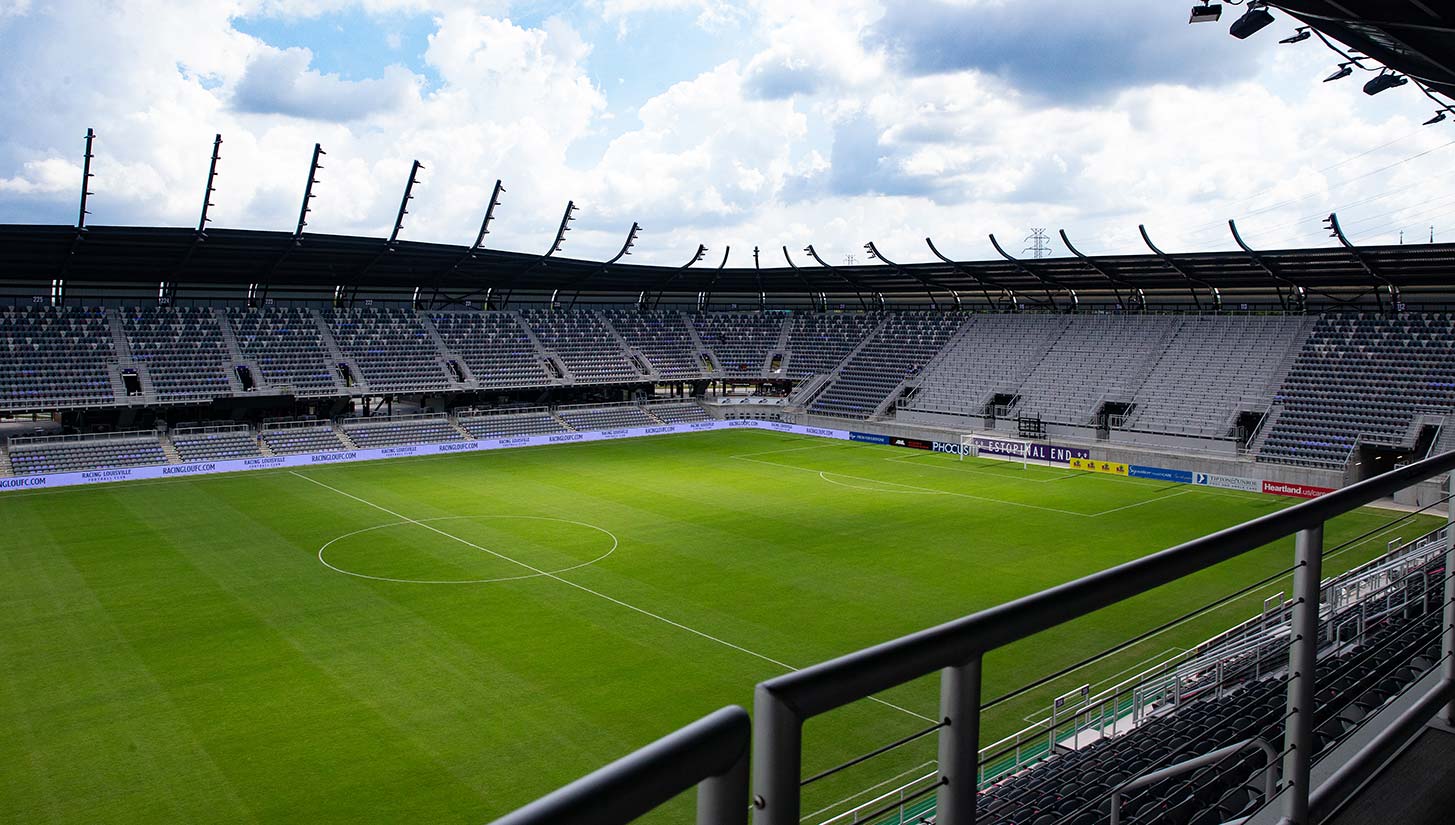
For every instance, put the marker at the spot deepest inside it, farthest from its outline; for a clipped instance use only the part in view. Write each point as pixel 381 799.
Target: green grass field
pixel 179 651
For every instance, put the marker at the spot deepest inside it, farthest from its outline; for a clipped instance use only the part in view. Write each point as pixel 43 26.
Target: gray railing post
pixel 959 743
pixel 720 798
pixel 1302 659
pixel 777 759
pixel 1447 636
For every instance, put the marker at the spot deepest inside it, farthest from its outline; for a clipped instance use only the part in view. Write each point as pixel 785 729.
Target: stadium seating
pixel 183 350
pixel 288 347
pixel 394 352
pixel 71 453
pixel 508 424
pixel 215 443
pixel 994 356
pixel 584 345
pixel 53 357
pixel 740 341
pixel 688 413
pixel 1236 363
pixel 900 348
pixel 606 418
pixel 818 342
pixel 1361 377
pixel 302 437
pixel 660 336
pixel 394 431
pixel 497 351
pixel 1096 359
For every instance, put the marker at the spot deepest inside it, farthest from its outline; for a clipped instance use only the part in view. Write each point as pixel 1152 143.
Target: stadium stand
pixel 1234 363
pixel 1362 378
pixel 585 346
pixel 819 342
pixel 182 349
pixel 740 341
pixel 288 347
pixel 510 423
pixel 899 349
pixel 400 430
pixel 605 417
pixel 496 349
pixel 74 453
pixel 287 438
pixel 53 357
pixel 215 443
pixel 678 413
pixel 662 337
pixel 993 356
pixel 1094 360
pixel 393 350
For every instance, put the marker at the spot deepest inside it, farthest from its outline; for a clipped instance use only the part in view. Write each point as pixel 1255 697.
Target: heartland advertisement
pixel 1280 488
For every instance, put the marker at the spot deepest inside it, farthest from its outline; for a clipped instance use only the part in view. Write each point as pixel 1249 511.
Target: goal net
pixel 1015 450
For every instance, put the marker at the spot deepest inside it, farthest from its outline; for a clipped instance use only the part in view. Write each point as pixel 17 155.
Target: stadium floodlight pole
pixel 211 180
pixel 873 252
pixel 1335 231
pixel 470 252
pixel 1172 264
pixel 313 167
pixel 393 239
pixel 566 218
pixel 981 281
pixel 404 201
pixel 1141 297
pixel 1045 280
pixel 86 179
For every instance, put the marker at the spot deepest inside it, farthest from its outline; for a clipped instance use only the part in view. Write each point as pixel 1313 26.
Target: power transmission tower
pixel 1038 243
pixel 850 260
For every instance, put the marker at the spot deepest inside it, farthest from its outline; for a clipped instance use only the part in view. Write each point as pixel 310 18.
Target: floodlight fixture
pixel 1439 116
pixel 1345 69
pixel 1300 35
pixel 1384 80
pixel 1206 13
pixel 1253 21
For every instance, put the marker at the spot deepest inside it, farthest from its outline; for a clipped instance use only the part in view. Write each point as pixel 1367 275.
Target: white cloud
pixel 812 134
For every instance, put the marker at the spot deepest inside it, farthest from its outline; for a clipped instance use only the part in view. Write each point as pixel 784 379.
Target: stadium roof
pixel 1414 37
pixel 222 257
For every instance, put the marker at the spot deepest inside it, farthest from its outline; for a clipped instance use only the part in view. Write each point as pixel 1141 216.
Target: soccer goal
pixel 1014 450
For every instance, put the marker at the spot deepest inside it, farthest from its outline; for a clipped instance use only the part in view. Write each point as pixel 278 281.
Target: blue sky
pixel 723 122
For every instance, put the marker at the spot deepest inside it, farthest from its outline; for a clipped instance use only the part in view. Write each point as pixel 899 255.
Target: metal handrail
pixel 711 753
pixel 782 705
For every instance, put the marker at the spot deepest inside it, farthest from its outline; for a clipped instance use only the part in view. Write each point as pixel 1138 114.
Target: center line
pixel 549 575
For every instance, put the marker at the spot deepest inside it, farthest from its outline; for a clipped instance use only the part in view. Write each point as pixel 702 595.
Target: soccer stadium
pixel 305 526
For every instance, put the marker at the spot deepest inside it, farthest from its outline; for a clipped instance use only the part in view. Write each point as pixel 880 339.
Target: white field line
pixel 585 589
pixel 1181 492
pixel 910 492
pixel 817 446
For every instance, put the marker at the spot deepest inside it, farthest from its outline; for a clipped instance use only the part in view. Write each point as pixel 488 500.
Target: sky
pixel 727 123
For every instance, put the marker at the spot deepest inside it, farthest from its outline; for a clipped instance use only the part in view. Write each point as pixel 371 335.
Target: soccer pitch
pixel 443 639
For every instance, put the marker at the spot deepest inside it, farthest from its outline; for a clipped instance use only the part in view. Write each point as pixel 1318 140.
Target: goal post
pixel 1014 450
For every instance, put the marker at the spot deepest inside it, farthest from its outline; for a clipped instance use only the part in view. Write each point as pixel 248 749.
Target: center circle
pixel 388 546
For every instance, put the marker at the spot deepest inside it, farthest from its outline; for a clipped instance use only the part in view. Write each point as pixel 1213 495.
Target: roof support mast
pixel 854 282
pixel 297 237
pixel 1297 299
pixel 394 233
pixel 1187 276
pixel 1006 293
pixel 1332 222
pixel 470 253
pixel 1135 296
pixel 1045 280
pixel 200 234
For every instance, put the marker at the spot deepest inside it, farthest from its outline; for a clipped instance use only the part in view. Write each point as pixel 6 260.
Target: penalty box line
pixel 583 588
